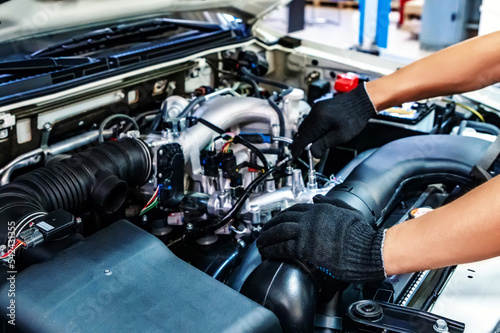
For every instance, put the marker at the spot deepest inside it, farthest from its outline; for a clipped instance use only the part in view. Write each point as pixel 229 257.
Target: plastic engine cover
pixel 122 279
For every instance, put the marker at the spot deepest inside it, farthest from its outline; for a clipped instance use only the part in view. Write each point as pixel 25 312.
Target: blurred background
pixel 400 30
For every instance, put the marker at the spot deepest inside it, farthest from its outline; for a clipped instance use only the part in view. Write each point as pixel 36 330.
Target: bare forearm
pixel 466 230
pixel 467 66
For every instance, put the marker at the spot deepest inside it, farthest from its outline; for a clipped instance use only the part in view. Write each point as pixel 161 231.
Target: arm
pixel 468 229
pixel 465 230
pixel 335 236
pixel 466 66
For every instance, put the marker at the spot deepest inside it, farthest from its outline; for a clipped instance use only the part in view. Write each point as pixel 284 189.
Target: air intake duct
pixel 97 178
pixel 376 184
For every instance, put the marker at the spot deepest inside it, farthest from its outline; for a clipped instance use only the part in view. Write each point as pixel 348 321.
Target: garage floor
pixel 341 29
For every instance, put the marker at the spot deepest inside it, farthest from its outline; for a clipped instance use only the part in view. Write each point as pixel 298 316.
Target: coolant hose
pixel 97 178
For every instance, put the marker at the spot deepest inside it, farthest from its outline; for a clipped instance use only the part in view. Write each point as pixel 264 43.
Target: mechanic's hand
pixel 334 121
pixel 329 234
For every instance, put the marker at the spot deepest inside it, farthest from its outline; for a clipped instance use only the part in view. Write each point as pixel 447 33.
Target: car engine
pixel 137 207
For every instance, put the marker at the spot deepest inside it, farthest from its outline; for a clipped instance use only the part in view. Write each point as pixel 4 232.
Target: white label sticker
pixel 45 226
pixel 23 130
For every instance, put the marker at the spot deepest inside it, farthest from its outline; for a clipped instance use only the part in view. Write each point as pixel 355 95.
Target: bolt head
pixel 189 226
pixel 441 326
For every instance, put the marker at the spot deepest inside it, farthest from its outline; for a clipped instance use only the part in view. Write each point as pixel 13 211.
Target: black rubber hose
pixel 254 85
pixel 288 289
pixel 482 127
pixel 248 190
pixel 106 121
pixel 281 118
pixel 97 178
pixel 260 79
pixel 248 80
pixel 377 184
pixel 272 100
pixel 139 118
pixel 190 107
pixel 237 139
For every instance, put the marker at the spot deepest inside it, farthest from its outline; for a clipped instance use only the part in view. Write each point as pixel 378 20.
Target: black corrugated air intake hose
pixel 97 178
pixel 375 185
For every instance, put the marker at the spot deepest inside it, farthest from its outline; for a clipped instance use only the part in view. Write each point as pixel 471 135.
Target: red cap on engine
pixel 346 82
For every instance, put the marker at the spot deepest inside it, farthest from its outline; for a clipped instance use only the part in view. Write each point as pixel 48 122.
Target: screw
pixel 144 218
pixel 107 272
pixel 441 326
pixel 189 226
pixel 47 127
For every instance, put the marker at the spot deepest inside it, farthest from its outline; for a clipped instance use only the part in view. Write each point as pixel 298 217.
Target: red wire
pixel 15 247
pixel 225 145
pixel 155 195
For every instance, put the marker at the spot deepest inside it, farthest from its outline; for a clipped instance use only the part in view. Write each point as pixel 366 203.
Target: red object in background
pixel 346 82
pixel 402 12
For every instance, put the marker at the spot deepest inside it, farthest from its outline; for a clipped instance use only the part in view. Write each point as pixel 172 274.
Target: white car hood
pixel 24 18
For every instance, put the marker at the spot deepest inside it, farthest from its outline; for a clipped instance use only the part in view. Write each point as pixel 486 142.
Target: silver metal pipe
pixel 283 139
pixel 283 198
pixel 273 200
pixel 36 156
pixel 230 91
pixel 76 142
pixel 224 112
pixel 24 160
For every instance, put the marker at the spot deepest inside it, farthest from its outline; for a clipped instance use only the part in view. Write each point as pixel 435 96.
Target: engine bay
pixel 136 204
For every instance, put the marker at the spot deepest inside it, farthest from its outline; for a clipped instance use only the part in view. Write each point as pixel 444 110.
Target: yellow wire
pixel 227 147
pixel 468 108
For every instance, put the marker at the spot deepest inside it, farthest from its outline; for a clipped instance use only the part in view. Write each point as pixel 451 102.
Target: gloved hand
pixel 334 121
pixel 329 234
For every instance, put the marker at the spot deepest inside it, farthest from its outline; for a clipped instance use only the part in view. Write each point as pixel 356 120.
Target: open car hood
pixel 24 18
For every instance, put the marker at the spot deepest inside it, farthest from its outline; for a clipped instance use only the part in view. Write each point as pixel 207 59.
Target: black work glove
pixel 334 121
pixel 330 234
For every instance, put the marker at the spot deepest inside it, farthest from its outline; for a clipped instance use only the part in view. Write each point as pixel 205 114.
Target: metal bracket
pixel 6 121
pixel 47 127
pixel 400 319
